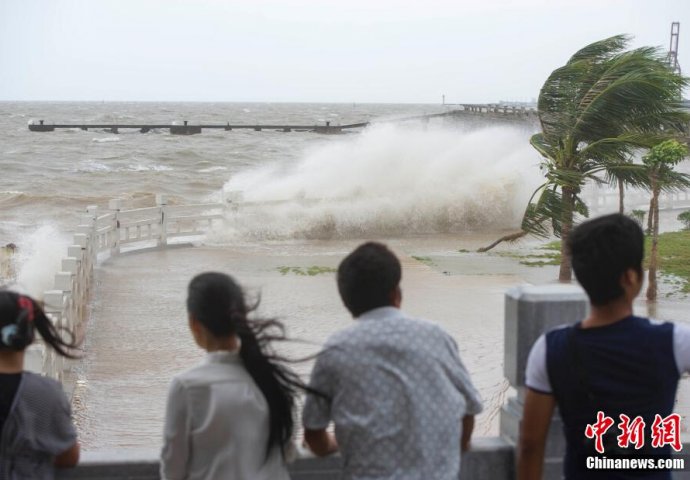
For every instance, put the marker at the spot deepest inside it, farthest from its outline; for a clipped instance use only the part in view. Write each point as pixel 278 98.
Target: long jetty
pixel 187 129
pixel 491 110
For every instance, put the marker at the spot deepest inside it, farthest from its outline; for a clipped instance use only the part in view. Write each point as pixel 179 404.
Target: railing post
pixel 162 201
pixel 91 247
pixel 81 281
pixel 529 312
pixel 115 205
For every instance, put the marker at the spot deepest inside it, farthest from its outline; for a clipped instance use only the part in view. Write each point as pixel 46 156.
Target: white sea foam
pixel 391 181
pixel 92 166
pixel 39 257
pixel 138 167
pixel 106 140
pixel 217 168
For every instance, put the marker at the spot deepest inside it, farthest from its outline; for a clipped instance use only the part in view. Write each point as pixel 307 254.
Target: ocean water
pixel 428 189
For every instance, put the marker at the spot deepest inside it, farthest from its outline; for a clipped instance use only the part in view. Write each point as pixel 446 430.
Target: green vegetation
pixel 425 260
pixel 463 250
pixel 685 218
pixel 309 271
pixel 674 256
pixel 605 103
pixel 535 259
pixel 638 216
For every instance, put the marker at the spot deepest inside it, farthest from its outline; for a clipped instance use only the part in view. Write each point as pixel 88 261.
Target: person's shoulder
pixel 343 336
pixel 193 376
pixel 43 392
pixel 659 328
pixel 423 325
pixel 558 331
pixel 41 385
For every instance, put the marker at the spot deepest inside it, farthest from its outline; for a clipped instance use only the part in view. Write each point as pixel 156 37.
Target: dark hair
pixel 367 277
pixel 601 251
pixel 218 302
pixel 20 315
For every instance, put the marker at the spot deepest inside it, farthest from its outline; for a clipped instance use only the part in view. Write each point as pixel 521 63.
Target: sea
pixel 435 191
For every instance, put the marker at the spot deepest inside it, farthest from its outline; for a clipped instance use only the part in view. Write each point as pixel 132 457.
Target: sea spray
pixel 390 180
pixel 39 256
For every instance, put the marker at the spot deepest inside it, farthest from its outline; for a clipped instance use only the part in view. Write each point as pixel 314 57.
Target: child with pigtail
pixel 36 430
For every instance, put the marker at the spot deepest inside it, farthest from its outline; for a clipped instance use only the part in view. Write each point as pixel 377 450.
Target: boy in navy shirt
pixel 613 375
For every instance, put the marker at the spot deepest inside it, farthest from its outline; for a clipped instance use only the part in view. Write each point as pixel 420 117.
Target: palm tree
pixel 660 162
pixel 595 111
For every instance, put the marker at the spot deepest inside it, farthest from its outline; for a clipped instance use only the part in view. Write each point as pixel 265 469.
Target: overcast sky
pixel 310 50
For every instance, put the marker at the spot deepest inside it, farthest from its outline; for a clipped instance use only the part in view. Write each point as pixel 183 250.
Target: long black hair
pixel 20 315
pixel 218 302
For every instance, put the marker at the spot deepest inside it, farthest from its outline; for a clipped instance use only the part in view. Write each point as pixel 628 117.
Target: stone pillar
pixel 529 312
pixel 162 201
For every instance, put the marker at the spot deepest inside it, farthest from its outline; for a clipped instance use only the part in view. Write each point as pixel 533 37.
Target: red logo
pixel 598 429
pixel 631 432
pixel 665 431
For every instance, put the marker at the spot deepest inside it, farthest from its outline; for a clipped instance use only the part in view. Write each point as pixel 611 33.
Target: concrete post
pixel 115 205
pixel 529 312
pixel 162 201
pixel 91 247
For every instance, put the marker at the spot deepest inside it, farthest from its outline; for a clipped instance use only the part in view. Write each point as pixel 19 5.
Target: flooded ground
pixel 138 338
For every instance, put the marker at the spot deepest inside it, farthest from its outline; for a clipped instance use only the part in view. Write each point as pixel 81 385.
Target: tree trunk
pixel 565 273
pixel 654 254
pixel 650 215
pixel 621 197
pixel 506 238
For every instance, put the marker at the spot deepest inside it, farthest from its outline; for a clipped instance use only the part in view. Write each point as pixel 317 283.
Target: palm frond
pixel 602 49
pixel 673 181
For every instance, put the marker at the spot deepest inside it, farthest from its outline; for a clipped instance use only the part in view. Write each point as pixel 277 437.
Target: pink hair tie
pixel 25 303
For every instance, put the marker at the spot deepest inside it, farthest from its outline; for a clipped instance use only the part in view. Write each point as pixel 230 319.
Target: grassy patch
pixel 674 256
pixel 463 250
pixel 425 260
pixel 308 271
pixel 534 259
pixel 555 246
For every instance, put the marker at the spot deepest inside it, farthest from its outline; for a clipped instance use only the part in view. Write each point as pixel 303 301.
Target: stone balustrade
pixel 103 234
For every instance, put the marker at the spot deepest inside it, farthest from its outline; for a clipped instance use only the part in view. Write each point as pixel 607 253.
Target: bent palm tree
pixel 598 108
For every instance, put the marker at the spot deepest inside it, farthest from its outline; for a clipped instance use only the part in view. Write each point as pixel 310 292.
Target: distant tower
pixel 673 48
pixel 443 99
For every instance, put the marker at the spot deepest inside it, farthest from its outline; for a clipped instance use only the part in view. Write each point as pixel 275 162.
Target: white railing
pixel 101 234
pixel 604 199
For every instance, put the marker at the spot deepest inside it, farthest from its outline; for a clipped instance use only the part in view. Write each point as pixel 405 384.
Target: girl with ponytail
pixel 36 430
pixel 231 416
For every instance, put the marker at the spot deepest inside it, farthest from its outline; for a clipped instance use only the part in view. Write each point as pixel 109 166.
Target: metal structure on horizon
pixel 672 57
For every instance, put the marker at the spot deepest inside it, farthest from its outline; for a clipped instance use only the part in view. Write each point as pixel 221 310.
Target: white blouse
pixel 217 424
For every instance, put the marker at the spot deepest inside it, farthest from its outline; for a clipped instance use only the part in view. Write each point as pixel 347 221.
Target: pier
pixel 191 129
pixel 489 111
